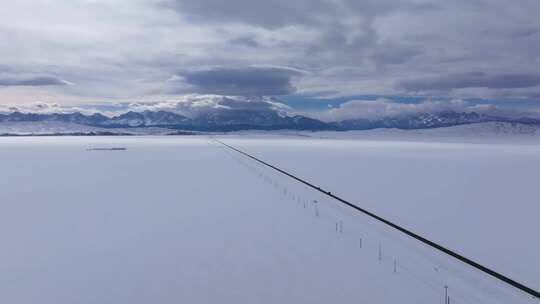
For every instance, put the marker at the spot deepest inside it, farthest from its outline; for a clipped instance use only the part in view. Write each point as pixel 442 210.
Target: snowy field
pixel 183 220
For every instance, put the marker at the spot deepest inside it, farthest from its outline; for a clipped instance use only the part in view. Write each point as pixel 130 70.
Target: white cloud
pixel 40 107
pixel 193 105
pixel 373 109
pixel 124 50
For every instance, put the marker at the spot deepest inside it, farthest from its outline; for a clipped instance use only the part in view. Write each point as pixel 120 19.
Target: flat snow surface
pixel 22 128
pixel 486 132
pixel 183 220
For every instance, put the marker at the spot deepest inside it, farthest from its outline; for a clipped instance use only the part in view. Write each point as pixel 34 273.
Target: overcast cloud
pixel 194 105
pixel 33 81
pixel 373 109
pixel 151 50
pixel 250 81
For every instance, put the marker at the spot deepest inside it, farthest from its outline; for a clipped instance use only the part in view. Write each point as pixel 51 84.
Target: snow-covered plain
pixel 51 128
pixel 183 220
pixel 486 132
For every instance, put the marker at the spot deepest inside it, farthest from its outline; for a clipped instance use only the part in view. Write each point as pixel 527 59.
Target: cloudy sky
pixel 304 51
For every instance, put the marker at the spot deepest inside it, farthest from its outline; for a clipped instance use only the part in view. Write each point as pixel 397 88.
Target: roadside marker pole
pixel 403 230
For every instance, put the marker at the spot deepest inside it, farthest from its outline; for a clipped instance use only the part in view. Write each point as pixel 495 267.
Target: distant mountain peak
pixel 259 117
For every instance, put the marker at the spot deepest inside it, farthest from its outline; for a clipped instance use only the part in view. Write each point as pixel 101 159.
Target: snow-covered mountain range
pixel 223 113
pixel 235 120
pixel 473 132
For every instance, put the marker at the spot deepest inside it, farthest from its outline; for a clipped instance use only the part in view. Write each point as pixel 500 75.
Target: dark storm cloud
pixel 392 54
pixel 472 80
pixel 249 81
pixel 343 31
pixel 278 13
pixel 123 50
pixel 247 41
pixel 33 81
pixel 269 14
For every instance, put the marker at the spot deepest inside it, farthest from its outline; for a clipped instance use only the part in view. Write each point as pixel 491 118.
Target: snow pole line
pixel 414 235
